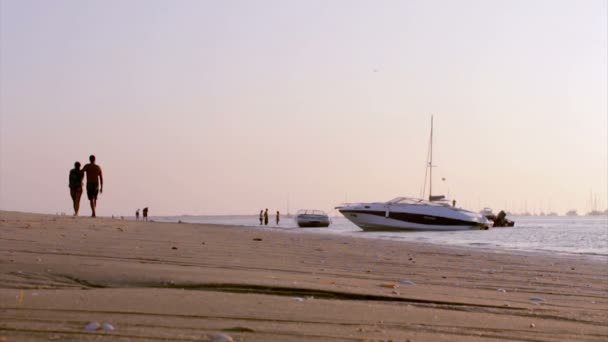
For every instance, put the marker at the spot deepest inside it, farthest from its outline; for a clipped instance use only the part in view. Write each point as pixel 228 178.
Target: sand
pixel 158 281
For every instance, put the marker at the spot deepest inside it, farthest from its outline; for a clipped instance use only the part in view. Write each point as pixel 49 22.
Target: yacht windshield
pixel 410 200
pixel 405 200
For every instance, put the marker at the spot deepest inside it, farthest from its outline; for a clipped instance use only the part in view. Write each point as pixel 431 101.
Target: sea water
pixel 586 235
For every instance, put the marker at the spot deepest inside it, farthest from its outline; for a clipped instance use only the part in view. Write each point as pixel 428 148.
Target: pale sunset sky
pixel 227 107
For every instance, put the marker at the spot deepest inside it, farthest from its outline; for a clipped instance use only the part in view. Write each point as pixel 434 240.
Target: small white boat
pixel 488 213
pixel 497 220
pixel 311 218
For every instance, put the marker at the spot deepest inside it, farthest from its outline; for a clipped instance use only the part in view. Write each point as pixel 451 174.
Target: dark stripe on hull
pixel 384 228
pixel 417 218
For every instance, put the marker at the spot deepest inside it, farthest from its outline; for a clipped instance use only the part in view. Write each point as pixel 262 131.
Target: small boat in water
pixel 497 220
pixel 488 213
pixel 312 218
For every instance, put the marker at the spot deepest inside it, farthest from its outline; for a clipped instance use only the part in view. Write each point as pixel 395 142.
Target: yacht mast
pixel 431 164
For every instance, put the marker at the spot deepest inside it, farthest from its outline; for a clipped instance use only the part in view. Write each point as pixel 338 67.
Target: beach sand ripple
pixel 188 282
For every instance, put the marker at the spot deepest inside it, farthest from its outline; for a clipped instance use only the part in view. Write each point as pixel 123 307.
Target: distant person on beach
pixel 278 219
pixel 261 216
pixel 94 182
pixel 75 183
pixel 266 217
pixel 145 212
pixel 137 215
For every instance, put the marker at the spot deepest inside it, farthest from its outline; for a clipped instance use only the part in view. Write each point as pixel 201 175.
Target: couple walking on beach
pixel 264 217
pixel 94 184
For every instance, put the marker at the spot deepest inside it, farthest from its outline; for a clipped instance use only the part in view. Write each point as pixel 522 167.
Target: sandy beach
pixel 190 282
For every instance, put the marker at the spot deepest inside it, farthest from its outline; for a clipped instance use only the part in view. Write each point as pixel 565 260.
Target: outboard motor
pixel 501 220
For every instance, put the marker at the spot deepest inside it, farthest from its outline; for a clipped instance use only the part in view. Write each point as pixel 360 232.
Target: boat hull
pixel 312 222
pixel 413 218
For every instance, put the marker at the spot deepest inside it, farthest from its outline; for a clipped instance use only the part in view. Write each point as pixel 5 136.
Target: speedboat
pixel 311 218
pixel 406 213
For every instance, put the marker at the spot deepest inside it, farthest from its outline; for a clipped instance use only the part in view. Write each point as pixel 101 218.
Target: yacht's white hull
pixel 422 216
pixel 370 222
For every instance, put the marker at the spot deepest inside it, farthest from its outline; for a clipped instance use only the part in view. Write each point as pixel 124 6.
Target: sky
pixel 227 107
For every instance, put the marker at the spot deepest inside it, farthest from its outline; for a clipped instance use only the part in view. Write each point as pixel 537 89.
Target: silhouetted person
pixel 266 217
pixel 261 216
pixel 94 182
pixel 145 213
pixel 137 215
pixel 75 183
pixel 278 218
pixel 453 203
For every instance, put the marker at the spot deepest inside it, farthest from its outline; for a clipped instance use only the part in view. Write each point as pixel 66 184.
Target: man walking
pixel 266 217
pixel 76 186
pixel 94 182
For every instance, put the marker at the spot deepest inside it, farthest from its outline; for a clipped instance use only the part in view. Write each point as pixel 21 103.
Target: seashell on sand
pixel 92 326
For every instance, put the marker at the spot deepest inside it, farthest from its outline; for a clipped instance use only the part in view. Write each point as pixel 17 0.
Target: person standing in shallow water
pixel 94 182
pixel 75 184
pixel 266 217
pixel 278 217
pixel 261 216
pixel 137 215
pixel 145 212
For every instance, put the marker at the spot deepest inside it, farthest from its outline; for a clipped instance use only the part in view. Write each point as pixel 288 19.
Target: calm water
pixel 555 234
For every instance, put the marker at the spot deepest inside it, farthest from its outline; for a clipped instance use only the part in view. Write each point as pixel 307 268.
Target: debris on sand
pixel 220 338
pixel 107 327
pixel 92 326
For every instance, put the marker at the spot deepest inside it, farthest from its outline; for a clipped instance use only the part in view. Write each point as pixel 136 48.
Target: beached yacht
pixel 406 213
pixel 311 218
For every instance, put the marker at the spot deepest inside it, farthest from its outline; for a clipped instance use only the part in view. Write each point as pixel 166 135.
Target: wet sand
pixel 187 282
